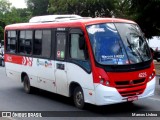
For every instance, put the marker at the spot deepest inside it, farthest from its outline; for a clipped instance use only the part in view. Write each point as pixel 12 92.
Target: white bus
pixel 99 61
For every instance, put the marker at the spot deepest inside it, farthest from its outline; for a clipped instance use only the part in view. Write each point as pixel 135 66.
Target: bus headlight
pixel 103 81
pixel 107 83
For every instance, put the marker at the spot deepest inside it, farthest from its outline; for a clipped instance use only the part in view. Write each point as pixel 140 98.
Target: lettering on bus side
pixel 61 29
pixel 44 63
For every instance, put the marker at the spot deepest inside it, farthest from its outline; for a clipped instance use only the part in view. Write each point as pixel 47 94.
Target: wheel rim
pixel 79 98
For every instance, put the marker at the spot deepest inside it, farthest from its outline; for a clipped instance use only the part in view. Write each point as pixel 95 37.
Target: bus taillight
pixel 152 75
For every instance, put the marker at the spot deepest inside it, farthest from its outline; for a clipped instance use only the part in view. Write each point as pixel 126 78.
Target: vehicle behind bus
pixel 2 53
pixel 155 46
pixel 100 61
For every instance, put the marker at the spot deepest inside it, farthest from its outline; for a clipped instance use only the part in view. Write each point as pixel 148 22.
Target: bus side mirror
pixel 81 42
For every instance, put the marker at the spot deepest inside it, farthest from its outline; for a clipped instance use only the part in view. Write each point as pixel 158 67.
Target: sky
pixel 18 3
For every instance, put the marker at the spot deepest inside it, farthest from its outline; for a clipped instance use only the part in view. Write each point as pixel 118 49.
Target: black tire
pixel 78 98
pixel 129 103
pixel 26 85
pixel 3 64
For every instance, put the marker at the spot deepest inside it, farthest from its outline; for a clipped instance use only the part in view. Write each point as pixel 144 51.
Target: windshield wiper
pixel 134 49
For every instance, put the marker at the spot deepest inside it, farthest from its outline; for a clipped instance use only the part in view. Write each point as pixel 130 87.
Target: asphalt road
pixel 13 98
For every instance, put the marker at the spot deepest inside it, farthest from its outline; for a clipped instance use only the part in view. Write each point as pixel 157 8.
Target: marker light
pixel 101 81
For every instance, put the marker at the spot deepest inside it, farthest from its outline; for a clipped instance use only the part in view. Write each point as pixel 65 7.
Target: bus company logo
pixel 6 114
pixel 27 61
pixel 9 58
pixel 46 63
pixel 131 82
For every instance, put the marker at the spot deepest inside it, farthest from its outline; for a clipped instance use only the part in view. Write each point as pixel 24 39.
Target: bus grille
pixel 130 87
pixel 129 83
pixel 131 93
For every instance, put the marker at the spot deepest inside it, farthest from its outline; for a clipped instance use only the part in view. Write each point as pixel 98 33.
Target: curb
pixel 158 78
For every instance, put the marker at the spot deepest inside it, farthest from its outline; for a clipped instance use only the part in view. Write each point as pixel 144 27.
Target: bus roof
pixel 67 23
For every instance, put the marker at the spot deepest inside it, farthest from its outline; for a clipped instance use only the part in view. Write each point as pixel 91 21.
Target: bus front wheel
pixel 78 98
pixel 26 84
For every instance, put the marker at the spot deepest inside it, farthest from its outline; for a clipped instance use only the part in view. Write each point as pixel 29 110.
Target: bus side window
pixel 11 42
pixel 25 42
pixel 37 49
pixel 61 45
pixel 42 43
pixel 22 42
pixel 75 51
pixel 28 41
pixel 46 43
pixel 78 51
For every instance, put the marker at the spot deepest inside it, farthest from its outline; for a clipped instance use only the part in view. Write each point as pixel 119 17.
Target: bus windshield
pixel 118 44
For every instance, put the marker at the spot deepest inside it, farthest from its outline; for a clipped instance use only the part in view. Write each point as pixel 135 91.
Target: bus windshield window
pixel 118 44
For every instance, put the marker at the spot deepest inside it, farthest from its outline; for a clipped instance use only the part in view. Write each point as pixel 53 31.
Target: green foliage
pixel 92 8
pixel 11 15
pixel 38 7
pixel 16 16
pixel 122 9
pixel 4 6
pixel 146 14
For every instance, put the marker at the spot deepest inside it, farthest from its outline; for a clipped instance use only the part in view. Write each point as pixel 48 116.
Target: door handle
pixel 60 66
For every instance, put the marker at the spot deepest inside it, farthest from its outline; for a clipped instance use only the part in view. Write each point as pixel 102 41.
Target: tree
pixel 10 15
pixel 38 7
pixel 92 8
pixel 122 9
pixel 4 8
pixel 145 13
pixel 17 16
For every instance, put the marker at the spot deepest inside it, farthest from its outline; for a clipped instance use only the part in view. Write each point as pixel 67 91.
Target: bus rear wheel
pixel 26 85
pixel 78 98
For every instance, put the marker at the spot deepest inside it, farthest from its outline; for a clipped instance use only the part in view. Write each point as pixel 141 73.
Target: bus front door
pixel 61 78
pixel 60 64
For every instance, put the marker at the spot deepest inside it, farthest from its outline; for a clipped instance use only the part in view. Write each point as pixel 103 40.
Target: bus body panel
pixel 44 74
pixel 39 71
pixel 61 79
pixel 85 80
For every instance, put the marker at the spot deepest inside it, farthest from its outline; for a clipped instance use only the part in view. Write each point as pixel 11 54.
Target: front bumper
pixel 108 95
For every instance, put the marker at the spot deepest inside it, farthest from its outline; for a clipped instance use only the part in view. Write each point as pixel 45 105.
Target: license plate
pixel 133 98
